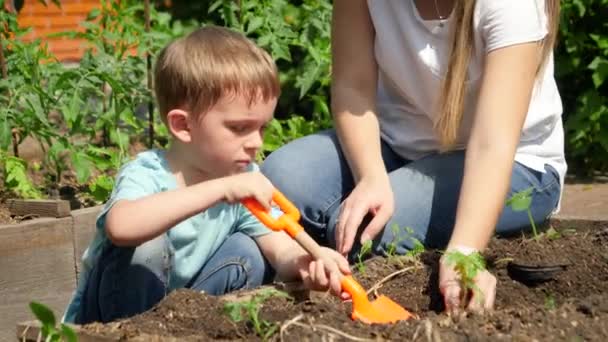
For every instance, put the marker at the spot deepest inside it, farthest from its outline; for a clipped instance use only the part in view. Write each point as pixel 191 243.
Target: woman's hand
pixel 371 195
pixel 483 295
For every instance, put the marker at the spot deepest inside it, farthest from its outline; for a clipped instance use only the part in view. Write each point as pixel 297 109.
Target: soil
pixel 571 307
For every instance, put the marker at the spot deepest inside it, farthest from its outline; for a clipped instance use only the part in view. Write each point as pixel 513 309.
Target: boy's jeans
pixel 128 281
pixel 314 174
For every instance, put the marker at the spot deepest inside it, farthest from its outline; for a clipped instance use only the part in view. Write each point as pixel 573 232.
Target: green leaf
pixel 101 188
pixel 68 333
pixel 521 200
pixel 254 24
pixel 308 80
pixel 93 14
pixel 600 67
pixel 82 166
pixel 234 310
pixel 43 313
pixel 5 133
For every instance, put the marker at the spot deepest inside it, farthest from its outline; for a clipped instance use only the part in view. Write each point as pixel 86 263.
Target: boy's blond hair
pixel 192 73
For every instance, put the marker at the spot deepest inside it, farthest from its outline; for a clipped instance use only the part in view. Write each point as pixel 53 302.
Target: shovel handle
pixel 288 222
pixel 289 211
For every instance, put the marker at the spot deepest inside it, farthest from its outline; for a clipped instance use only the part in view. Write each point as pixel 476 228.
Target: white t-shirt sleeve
pixel 510 22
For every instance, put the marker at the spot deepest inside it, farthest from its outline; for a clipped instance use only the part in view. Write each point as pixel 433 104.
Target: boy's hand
pixel 246 185
pixel 317 274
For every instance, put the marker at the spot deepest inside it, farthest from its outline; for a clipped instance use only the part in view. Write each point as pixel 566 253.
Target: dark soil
pixel 571 307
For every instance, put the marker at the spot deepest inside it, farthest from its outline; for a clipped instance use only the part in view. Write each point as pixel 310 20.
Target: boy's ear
pixel 178 125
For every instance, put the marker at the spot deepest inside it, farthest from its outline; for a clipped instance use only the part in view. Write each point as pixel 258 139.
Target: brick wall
pixel 45 20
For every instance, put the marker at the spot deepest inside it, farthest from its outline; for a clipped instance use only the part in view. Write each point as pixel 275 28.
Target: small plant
pixel 49 325
pixel 366 248
pixel 521 201
pixel 250 310
pixel 398 236
pixel 467 266
pixel 550 302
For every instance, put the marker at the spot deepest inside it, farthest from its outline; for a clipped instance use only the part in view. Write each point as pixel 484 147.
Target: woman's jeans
pixel 130 280
pixel 313 173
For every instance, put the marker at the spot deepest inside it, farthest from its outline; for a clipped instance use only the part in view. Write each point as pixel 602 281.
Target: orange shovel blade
pixel 382 310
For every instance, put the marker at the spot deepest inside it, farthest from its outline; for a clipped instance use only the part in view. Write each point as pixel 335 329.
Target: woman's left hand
pixel 452 291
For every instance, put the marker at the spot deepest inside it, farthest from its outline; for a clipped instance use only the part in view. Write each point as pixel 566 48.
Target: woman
pixel 442 110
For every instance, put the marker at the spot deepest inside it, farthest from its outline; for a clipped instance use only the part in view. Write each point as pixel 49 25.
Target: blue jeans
pixel 314 174
pixel 130 280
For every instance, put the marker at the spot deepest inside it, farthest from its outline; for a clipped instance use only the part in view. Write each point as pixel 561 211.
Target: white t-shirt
pixel 412 59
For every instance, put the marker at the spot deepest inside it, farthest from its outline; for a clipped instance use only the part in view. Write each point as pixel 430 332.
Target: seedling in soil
pixel 550 302
pixel 250 310
pixel 521 201
pixel 467 266
pixel 398 236
pixel 366 249
pixel 50 331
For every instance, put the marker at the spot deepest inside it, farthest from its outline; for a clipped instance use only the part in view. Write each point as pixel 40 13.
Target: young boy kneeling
pixel 174 219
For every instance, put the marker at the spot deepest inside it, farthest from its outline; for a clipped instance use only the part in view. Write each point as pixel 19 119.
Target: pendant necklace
pixel 441 18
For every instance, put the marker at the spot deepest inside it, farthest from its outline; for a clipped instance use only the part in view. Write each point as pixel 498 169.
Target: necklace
pixel 441 18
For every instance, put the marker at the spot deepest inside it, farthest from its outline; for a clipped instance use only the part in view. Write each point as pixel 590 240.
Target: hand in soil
pixel 456 298
pixel 370 197
pixel 317 275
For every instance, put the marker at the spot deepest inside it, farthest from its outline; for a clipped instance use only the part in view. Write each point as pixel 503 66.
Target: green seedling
pixel 366 249
pixel 250 310
pixel 467 267
pixel 550 302
pixel 400 235
pixel 521 201
pixel 50 331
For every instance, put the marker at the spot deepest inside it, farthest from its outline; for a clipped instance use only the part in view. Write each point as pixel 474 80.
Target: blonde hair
pixel 451 105
pixel 193 73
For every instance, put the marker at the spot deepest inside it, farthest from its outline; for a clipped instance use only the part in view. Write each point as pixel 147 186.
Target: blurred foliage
pixel 582 73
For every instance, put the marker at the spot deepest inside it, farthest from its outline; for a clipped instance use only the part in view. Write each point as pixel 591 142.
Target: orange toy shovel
pixel 381 310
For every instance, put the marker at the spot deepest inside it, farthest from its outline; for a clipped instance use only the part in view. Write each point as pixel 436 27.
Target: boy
pixel 174 219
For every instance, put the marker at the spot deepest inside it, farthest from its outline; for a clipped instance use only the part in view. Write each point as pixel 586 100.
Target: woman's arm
pixel 508 81
pixel 353 93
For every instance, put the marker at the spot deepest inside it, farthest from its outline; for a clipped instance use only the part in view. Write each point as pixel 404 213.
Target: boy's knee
pixel 250 268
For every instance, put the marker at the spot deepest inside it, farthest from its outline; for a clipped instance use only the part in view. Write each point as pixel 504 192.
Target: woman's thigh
pixel 313 173
pixel 426 197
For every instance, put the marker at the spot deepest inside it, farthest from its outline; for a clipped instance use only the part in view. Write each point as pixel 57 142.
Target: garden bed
pixel 572 306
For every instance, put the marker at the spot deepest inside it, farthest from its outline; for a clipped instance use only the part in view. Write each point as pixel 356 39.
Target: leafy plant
pixel 50 331
pixel 467 267
pixel 400 235
pixel 250 310
pixel 581 67
pixel 16 179
pixel 366 249
pixel 521 201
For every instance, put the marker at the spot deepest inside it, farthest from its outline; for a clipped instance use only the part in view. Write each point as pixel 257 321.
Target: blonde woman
pixel 442 110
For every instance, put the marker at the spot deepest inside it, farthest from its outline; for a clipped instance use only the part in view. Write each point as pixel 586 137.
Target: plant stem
pixel 534 231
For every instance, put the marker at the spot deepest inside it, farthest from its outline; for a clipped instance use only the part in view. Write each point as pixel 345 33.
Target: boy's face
pixel 226 139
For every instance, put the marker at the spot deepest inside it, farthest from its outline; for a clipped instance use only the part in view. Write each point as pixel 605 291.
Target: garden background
pixel 89 116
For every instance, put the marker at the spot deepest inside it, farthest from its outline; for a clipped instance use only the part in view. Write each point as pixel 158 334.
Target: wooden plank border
pixel 39 208
pixel 40 261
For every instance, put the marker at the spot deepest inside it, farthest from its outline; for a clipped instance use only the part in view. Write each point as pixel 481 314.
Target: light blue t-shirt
pixel 193 240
